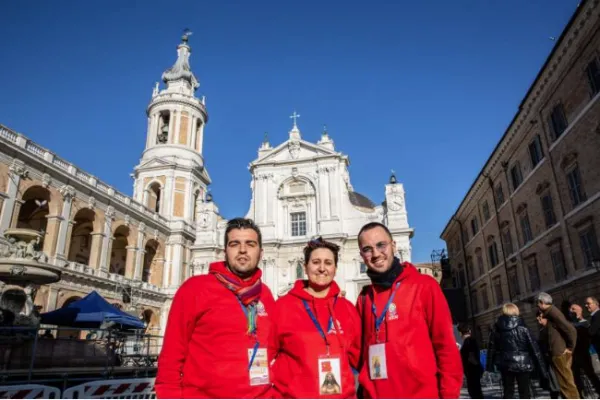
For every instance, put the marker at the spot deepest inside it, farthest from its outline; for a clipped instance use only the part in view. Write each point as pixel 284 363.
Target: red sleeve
pixel 360 302
pixel 449 364
pixel 355 343
pixel 273 346
pixel 180 326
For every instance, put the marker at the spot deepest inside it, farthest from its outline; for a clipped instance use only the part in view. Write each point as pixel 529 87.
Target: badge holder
pixel 258 366
pixel 330 374
pixel 377 360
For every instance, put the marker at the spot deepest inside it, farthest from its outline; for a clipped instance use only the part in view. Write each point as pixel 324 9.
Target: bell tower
pixel 171 178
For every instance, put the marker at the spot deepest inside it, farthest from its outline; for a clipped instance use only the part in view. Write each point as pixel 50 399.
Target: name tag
pixel 259 369
pixel 377 361
pixel 330 375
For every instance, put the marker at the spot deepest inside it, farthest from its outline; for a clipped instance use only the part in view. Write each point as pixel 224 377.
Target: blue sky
pixel 426 88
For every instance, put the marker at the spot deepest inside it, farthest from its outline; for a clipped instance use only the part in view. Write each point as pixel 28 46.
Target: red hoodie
pixel 422 358
pixel 205 348
pixel 299 344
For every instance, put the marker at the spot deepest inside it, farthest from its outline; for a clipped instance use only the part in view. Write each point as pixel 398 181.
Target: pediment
pixel 154 163
pixel 294 150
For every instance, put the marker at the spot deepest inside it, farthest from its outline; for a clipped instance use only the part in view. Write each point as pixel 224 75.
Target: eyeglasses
pixel 381 247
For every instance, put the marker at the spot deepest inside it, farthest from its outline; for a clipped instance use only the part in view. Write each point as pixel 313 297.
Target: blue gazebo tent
pixel 91 312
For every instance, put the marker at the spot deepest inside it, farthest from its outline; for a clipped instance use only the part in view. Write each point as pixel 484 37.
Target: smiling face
pixel 377 249
pixel 320 268
pixel 243 252
pixel 591 304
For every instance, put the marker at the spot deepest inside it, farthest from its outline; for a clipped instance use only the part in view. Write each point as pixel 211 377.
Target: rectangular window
pixel 465 235
pixel 486 211
pixel 484 297
pixel 474 226
pixel 493 254
pixel 548 210
pixel 516 176
pixel 498 290
pixel 558 264
pixel 593 74
pixel 535 151
pixel 475 302
pixel 558 121
pixel 513 281
pixel 576 191
pixel 363 268
pixel 461 276
pixel 534 274
pixel 507 241
pixel 480 263
pixel 298 223
pixel 526 229
pixel 589 246
pixel 499 195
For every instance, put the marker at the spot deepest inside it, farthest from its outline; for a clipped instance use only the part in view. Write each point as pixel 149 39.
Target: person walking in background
pixel 317 333
pixel 550 384
pixel 591 303
pixel 582 360
pixel 562 337
pixel 516 354
pixel 469 353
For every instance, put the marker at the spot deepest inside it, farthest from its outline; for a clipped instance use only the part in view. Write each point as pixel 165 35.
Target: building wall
pixel 83 219
pixel 554 251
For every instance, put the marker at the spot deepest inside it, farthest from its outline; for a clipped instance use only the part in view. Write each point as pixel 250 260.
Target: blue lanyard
pixel 316 322
pixel 251 315
pixel 379 320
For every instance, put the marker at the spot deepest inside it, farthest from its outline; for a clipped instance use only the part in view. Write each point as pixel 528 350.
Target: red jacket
pixel 205 347
pixel 299 344
pixel 422 358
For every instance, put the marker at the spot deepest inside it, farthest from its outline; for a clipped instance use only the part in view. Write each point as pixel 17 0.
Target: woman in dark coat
pixel 512 349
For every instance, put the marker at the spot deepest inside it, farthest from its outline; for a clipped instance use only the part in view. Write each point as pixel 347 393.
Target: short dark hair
pixel 373 225
pixel 242 223
pixel 463 328
pixel 320 243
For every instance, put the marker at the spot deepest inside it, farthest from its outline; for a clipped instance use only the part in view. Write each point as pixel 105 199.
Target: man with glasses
pixel 408 348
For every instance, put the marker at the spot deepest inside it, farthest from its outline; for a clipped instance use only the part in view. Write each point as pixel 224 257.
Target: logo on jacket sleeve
pixel 392 313
pixel 260 309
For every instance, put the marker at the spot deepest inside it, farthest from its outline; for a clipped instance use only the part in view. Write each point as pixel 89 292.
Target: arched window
pixel 299 270
pixel 154 197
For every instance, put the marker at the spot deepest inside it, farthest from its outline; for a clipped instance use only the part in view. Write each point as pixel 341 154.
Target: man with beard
pixel 215 343
pixel 407 327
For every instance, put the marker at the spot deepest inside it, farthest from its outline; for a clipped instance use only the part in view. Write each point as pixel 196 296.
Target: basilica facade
pixel 137 250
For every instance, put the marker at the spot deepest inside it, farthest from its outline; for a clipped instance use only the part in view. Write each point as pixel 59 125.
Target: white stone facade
pixel 302 190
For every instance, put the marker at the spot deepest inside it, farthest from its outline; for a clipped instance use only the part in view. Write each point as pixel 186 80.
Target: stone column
pixel 69 239
pixel 95 249
pixel 167 195
pixel 107 239
pixel 14 219
pixel 177 258
pixel 130 261
pixel 68 193
pixel 51 236
pixel 139 255
pixel 171 138
pixel 17 171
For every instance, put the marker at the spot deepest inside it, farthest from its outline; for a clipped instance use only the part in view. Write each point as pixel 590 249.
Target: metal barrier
pixel 113 389
pixel 29 392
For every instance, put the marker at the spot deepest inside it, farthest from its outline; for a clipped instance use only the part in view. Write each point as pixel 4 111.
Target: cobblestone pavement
pixel 494 392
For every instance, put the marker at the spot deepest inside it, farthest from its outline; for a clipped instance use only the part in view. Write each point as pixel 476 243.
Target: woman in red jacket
pixel 317 332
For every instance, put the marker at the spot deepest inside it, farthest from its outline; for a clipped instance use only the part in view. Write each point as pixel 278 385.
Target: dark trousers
pixel 473 376
pixel 508 384
pixel 582 364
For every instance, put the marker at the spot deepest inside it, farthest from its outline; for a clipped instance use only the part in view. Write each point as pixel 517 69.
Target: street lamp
pixel 596 264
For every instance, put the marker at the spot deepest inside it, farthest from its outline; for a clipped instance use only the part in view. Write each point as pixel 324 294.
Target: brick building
pixel 531 219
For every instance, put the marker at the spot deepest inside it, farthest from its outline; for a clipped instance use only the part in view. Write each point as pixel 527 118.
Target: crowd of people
pixel 226 336
pixel 560 358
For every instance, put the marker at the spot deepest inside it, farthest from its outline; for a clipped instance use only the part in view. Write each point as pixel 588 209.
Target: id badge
pixel 259 370
pixel 377 361
pixel 330 375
